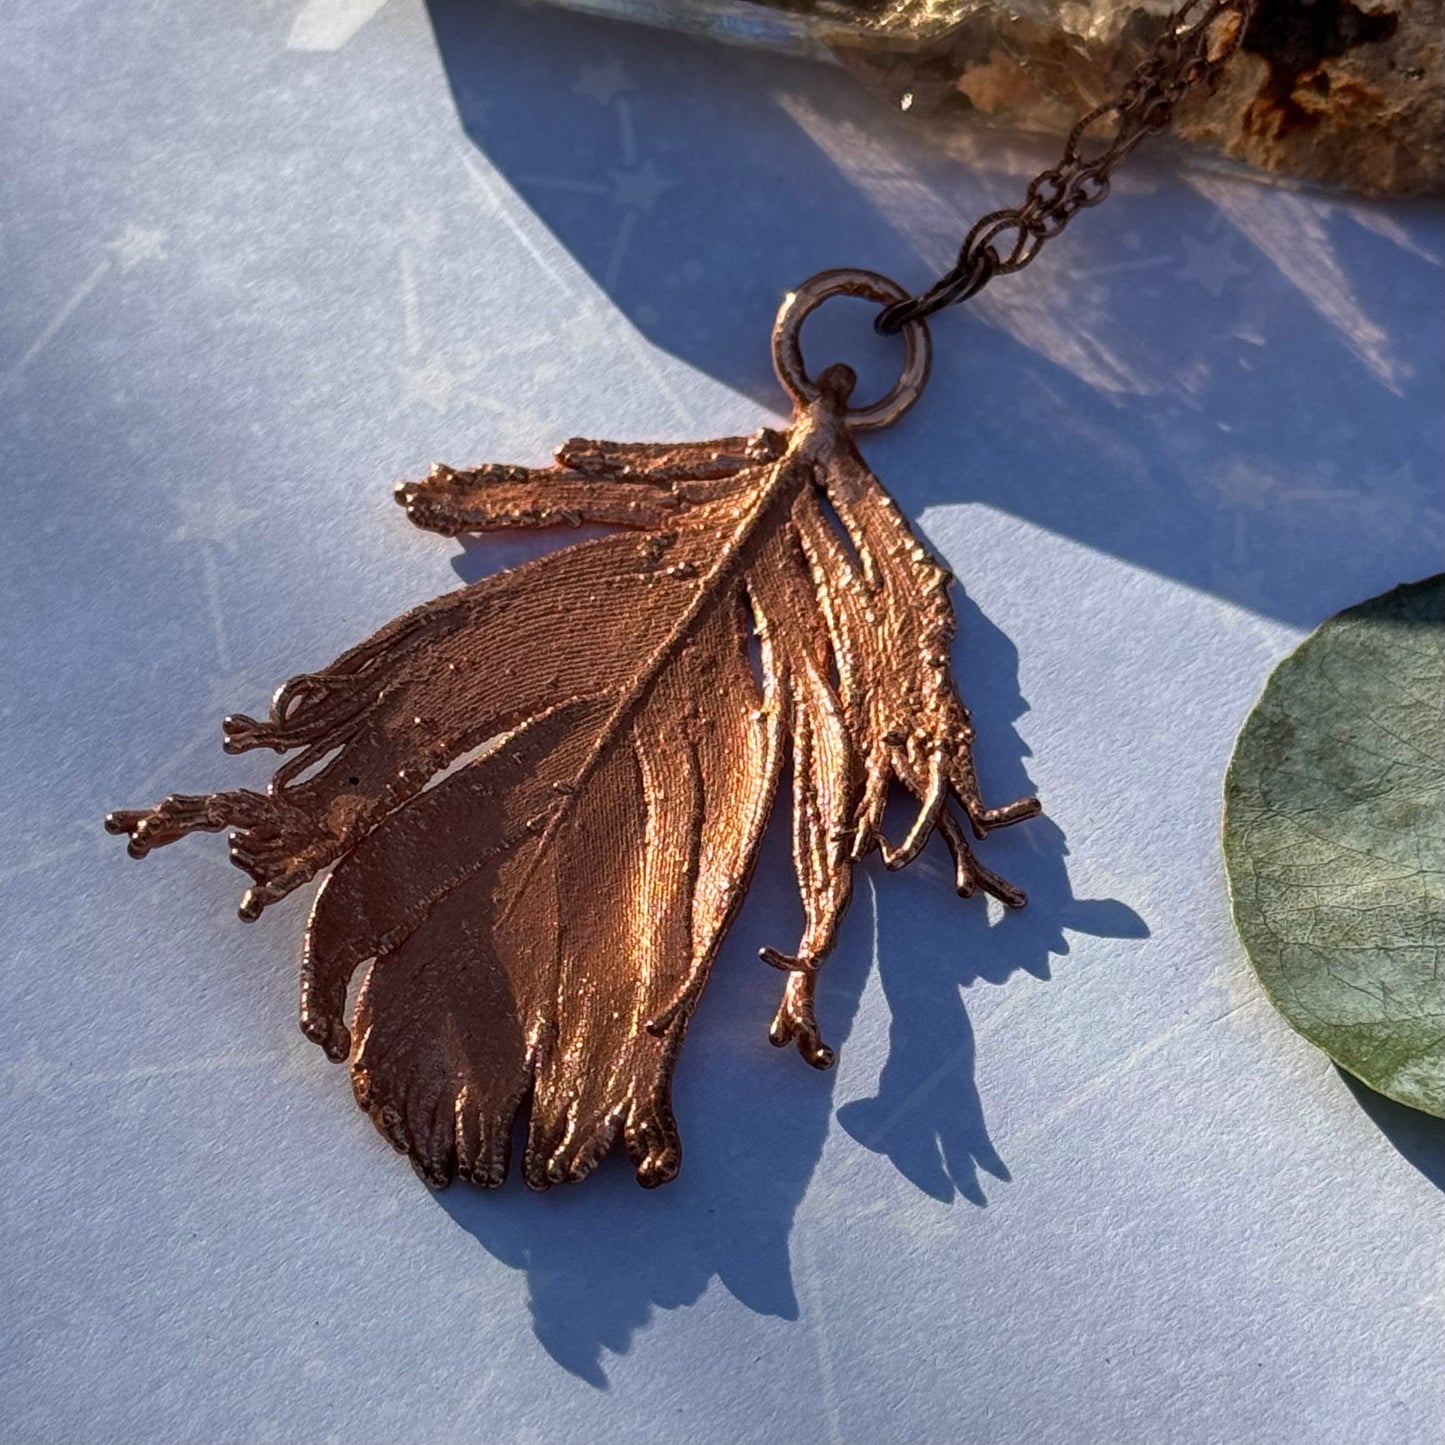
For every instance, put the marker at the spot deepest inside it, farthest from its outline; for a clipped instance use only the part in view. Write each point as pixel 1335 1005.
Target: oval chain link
pixel 1198 40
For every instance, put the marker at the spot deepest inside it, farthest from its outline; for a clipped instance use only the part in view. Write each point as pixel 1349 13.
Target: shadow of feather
pixel 600 1261
pixel 927 1115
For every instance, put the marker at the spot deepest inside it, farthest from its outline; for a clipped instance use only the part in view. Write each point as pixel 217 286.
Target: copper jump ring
pixel 869 286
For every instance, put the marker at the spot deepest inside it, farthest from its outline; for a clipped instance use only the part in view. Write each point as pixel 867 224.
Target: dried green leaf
pixel 1334 842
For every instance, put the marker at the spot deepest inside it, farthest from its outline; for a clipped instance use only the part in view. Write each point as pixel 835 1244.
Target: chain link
pixel 1198 40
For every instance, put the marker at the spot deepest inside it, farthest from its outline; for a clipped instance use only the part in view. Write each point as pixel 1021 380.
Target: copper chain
pixel 1198 40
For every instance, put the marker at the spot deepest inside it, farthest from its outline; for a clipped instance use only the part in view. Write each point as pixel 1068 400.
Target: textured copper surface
pixel 537 921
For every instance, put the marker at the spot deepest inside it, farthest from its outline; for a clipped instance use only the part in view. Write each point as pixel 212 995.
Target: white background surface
pixel 1072 1180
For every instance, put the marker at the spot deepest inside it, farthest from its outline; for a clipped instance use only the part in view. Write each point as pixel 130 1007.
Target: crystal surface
pixel 1325 91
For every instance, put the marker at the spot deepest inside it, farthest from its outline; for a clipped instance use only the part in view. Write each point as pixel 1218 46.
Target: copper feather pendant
pixel 538 923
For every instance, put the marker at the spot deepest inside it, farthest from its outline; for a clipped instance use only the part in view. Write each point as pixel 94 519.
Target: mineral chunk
pixel 1331 91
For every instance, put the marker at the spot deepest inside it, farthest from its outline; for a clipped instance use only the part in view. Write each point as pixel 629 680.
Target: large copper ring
pixel 788 349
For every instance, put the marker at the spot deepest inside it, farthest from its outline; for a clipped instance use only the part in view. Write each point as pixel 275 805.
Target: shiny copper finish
pixel 870 286
pixel 544 793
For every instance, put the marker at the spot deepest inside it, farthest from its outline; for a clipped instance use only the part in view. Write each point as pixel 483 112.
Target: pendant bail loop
pixel 798 305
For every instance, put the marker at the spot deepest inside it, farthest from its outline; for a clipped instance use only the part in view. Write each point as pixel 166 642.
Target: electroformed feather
pixel 536 925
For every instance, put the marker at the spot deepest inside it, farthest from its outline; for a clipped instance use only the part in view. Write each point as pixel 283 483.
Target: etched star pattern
pixel 433 383
pixel 1210 264
pixel 216 519
pixel 419 229
pixel 639 187
pixel 602 83
pixel 136 245
pixel 29 1074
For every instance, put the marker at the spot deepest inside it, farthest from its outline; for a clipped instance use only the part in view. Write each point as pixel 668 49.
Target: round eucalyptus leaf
pixel 1334 838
